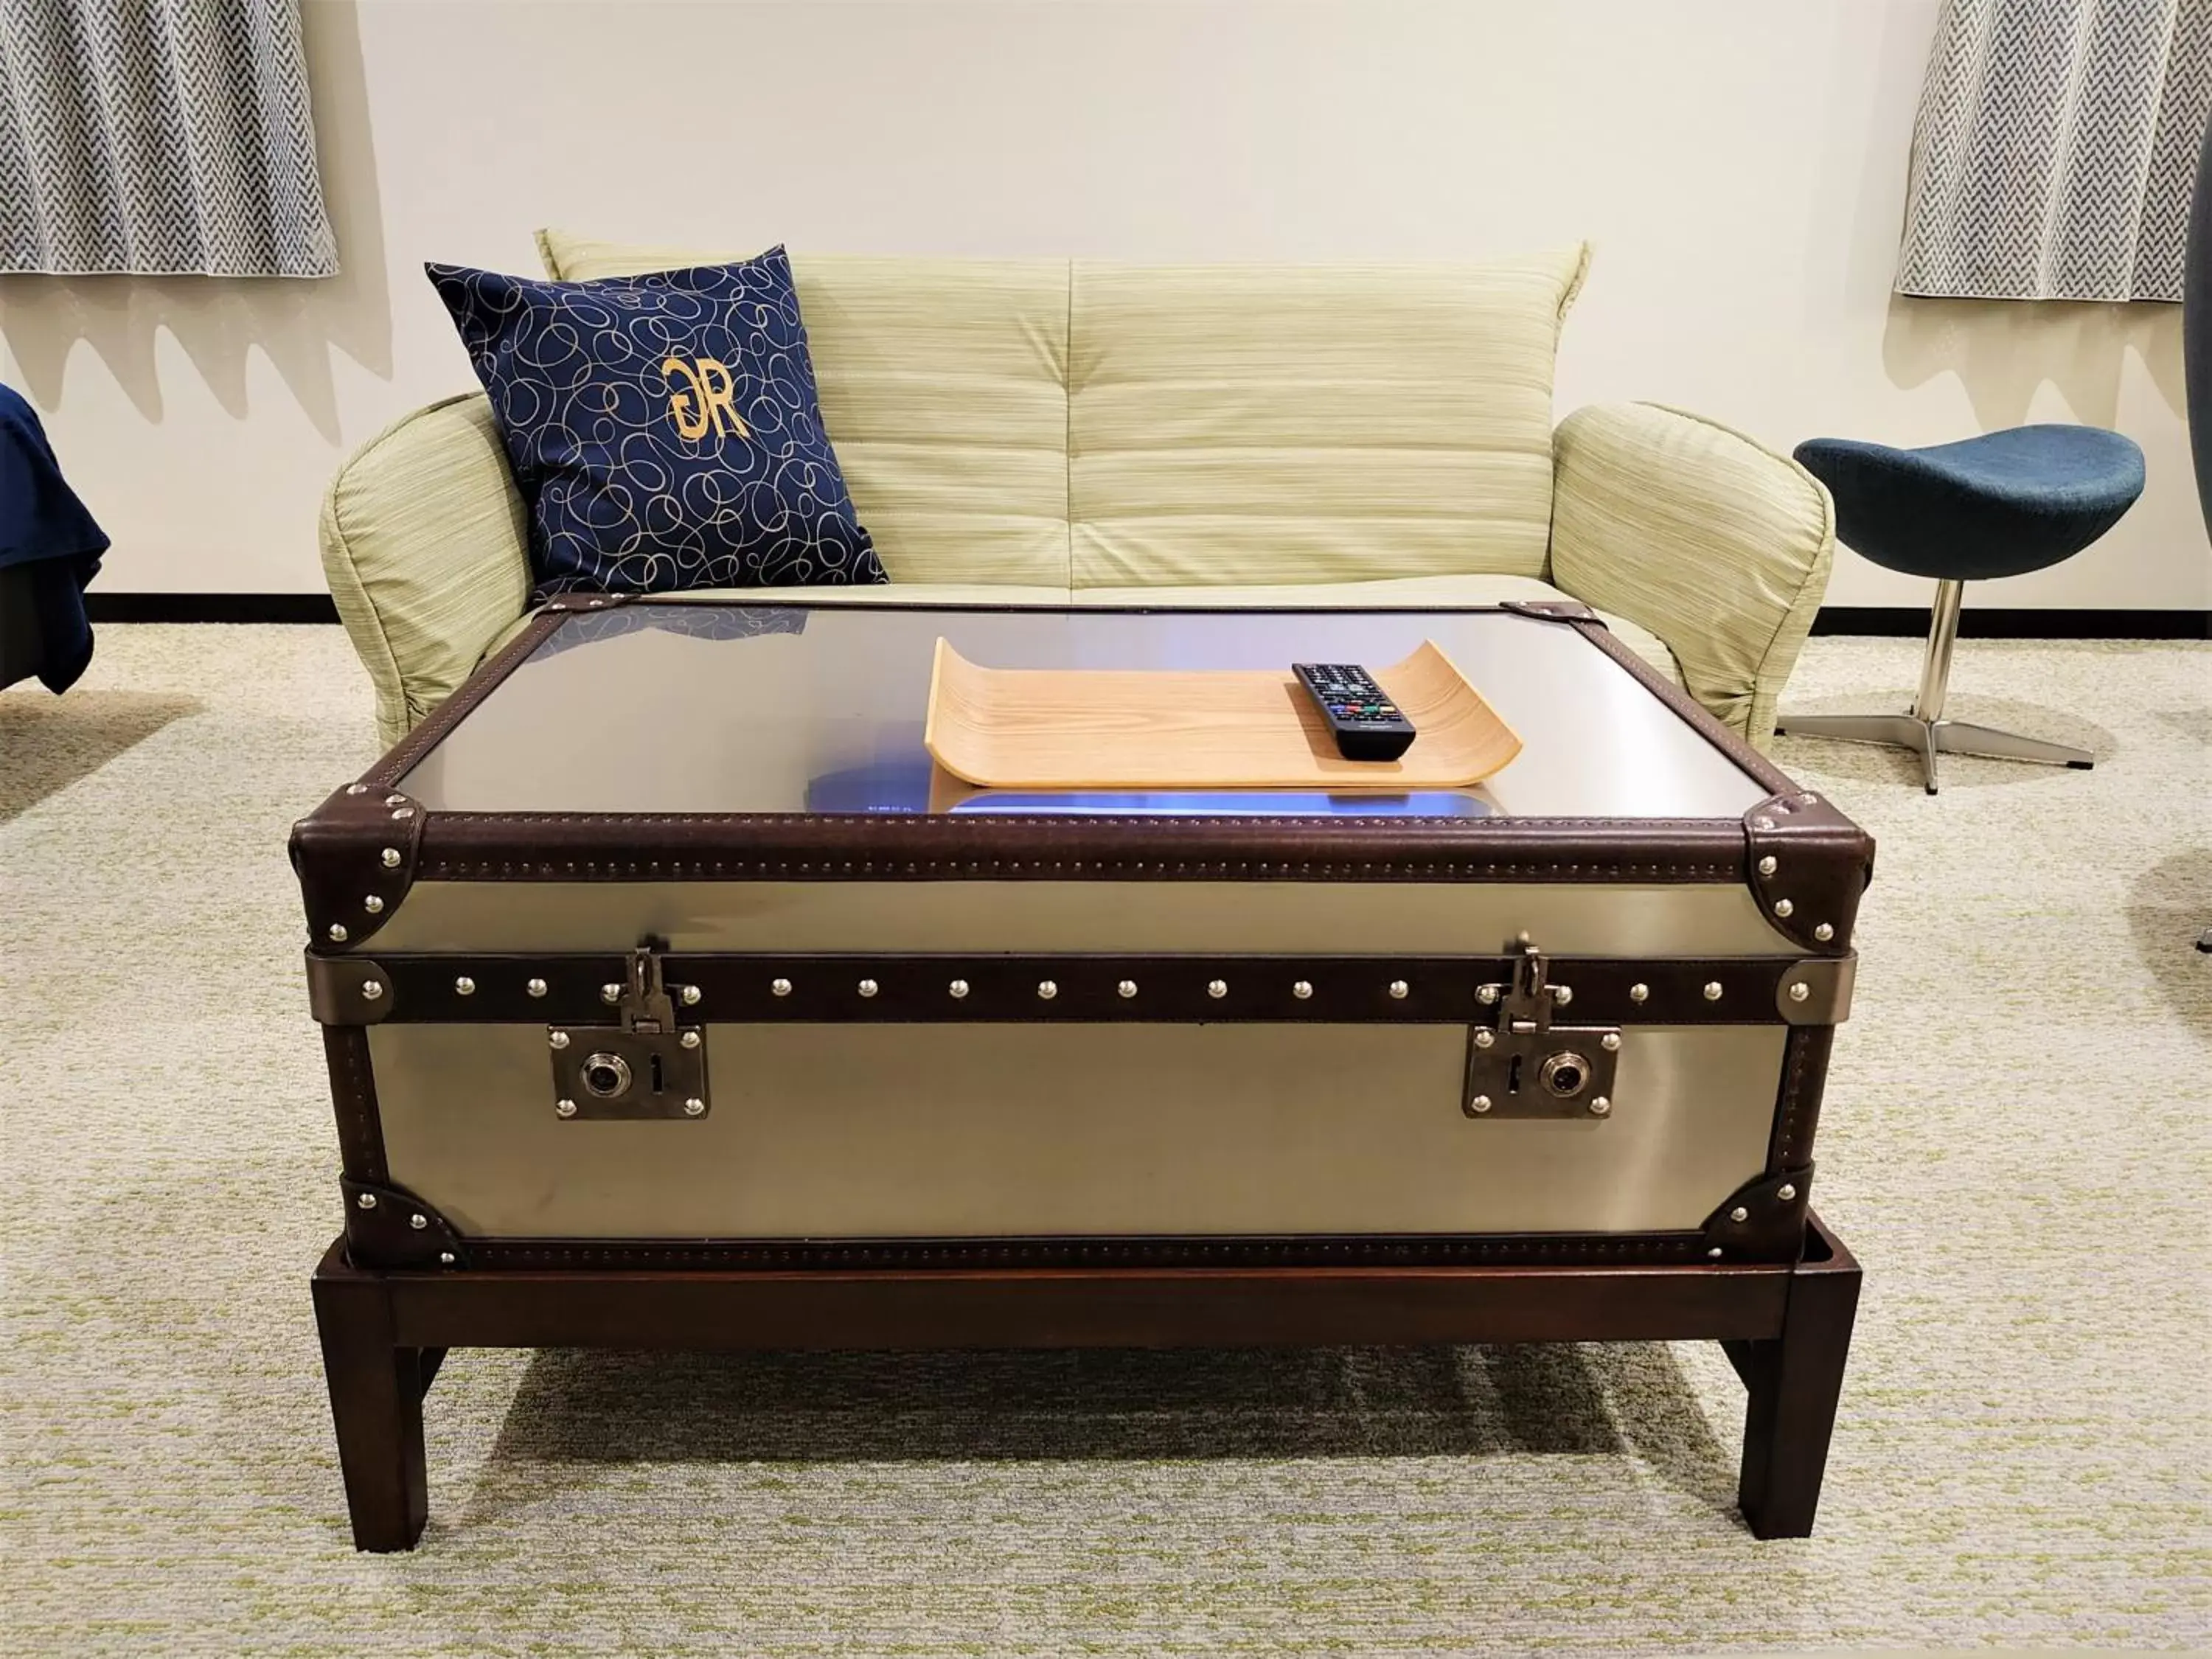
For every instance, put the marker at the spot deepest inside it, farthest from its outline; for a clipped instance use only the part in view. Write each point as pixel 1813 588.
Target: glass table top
pixel 680 708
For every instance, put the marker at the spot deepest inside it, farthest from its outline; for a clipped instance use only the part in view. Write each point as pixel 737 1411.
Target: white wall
pixel 1739 164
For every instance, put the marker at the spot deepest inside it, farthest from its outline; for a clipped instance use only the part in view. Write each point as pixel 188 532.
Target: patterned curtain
pixel 158 137
pixel 2055 149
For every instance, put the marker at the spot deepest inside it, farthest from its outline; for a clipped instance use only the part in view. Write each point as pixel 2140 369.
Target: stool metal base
pixel 1930 738
pixel 1924 730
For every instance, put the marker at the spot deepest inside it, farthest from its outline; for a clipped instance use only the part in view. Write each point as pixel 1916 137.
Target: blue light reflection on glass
pixel 904 786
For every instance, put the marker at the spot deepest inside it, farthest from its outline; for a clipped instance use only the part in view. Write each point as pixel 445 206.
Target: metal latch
pixel 1527 1066
pixel 647 1066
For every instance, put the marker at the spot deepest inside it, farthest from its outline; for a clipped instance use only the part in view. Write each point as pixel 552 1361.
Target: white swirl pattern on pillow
pixel 665 429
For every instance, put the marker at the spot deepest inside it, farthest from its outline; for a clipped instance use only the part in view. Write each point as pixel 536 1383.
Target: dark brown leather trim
pixel 1566 610
pixel 1808 864
pixel 357 855
pixel 1771 1227
pixel 465 696
pixel 1085 989
pixel 570 604
pixel 1798 1108
pixel 1725 739
pixel 387 1226
pixel 353 1099
pixel 861 847
pixel 584 1254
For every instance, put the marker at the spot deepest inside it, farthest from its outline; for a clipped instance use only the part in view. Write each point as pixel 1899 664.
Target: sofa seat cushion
pixel 1408 592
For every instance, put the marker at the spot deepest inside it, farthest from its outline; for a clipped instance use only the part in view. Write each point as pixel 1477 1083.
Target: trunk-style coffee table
pixel 673 999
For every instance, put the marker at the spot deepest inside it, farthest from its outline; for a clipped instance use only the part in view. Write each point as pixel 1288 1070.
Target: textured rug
pixel 2015 1144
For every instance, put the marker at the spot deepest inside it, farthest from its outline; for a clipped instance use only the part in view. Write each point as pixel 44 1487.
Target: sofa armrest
pixel 422 540
pixel 1718 546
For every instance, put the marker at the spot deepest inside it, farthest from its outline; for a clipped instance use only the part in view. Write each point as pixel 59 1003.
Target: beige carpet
pixel 2016 1143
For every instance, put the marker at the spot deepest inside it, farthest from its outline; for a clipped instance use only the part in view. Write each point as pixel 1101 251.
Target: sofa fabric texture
pixel 1026 431
pixel 664 428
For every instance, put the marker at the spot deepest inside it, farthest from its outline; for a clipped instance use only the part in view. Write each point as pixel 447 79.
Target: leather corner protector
pixel 1763 1220
pixel 349 990
pixel 388 1226
pixel 563 604
pixel 1566 611
pixel 356 856
pixel 1808 864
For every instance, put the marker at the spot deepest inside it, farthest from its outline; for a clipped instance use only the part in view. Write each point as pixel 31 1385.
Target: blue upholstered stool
pixel 2001 505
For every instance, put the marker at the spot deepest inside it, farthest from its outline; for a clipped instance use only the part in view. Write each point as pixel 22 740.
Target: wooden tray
pixel 1024 728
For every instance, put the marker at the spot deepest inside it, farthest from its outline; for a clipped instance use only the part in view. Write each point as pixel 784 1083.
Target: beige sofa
pixel 1058 432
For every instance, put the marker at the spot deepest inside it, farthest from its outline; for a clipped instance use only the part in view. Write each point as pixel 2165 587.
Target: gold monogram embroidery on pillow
pixel 706 403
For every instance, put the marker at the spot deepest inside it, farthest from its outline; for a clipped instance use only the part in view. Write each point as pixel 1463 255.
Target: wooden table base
pixel 1787 1329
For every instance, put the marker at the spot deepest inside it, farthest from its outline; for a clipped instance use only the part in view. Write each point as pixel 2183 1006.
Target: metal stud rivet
pixel 1638 993
pixel 778 987
pixel 1767 866
pixel 1563 994
pixel 338 931
pixel 445 1258
pixel 1126 989
pixel 1808 800
pixel 558 1039
pixel 690 995
pixel 694 1107
pixel 418 1221
pixel 1480 1105
pixel 1739 1213
pixel 1217 989
pixel 1610 1041
pixel 356 789
pixel 690 1039
pixel 564 1109
pixel 390 857
pixel 1599 1105
pixel 611 993
pixel 1398 989
pixel 402 813
pixel 1824 933
pixel 464 985
pixel 372 904
pixel 1485 993
pixel 1713 990
pixel 395 799
pixel 366 1200
pixel 371 989
pixel 1713 1255
pixel 959 987
pixel 868 988
pixel 1800 991
pixel 1783 906
pixel 1484 1039
pixel 1785 1192
pixel 1047 989
pixel 1302 989
pixel 536 987
pixel 1762 824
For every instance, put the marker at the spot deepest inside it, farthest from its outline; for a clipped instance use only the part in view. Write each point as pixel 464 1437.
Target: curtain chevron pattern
pixel 159 137
pixel 2055 149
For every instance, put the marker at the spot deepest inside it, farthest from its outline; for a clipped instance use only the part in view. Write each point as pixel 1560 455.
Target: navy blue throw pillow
pixel 664 429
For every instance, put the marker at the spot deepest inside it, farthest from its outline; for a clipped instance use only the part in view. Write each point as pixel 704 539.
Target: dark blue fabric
pixel 50 544
pixel 1999 504
pixel 664 429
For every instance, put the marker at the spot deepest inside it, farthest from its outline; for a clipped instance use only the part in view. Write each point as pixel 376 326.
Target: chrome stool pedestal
pixel 1924 730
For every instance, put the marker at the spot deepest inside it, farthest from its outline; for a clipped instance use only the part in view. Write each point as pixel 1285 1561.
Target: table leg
pixel 376 1405
pixel 1794 1381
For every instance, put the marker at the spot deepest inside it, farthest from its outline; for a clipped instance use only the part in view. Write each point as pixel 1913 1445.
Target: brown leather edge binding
pixel 353 1100
pixel 1563 610
pixel 868 988
pixel 1725 739
pixel 1772 1228
pixel 388 1226
pixel 469 692
pixel 794 1255
pixel 1797 1106
pixel 570 604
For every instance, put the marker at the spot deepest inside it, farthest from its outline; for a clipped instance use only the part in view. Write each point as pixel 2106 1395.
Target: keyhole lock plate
pixel 645 1066
pixel 1525 1066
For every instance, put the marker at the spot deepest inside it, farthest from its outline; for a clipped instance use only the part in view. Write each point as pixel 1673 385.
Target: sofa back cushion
pixel 943 385
pixel 1258 424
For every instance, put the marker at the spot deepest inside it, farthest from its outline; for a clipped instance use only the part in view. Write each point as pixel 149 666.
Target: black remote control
pixel 1365 722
